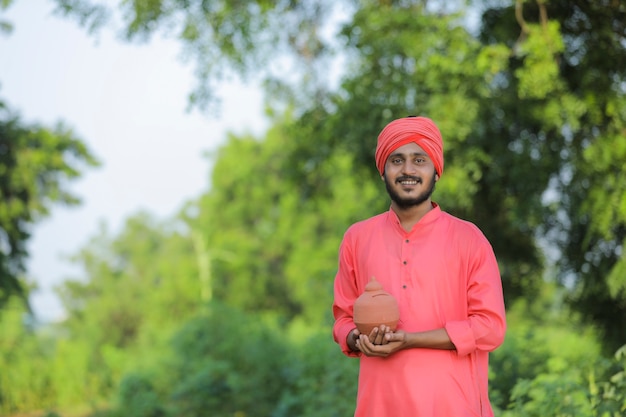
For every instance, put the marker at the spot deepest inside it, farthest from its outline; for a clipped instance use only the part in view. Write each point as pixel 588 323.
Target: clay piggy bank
pixel 375 307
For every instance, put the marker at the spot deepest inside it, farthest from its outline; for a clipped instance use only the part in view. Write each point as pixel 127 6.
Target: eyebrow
pixel 411 154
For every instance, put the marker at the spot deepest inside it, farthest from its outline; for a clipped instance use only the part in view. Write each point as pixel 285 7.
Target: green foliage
pixel 586 110
pixel 550 364
pixel 35 165
pixel 566 390
pixel 543 340
pixel 225 362
pixel 21 358
pixel 143 285
pixel 539 74
pixel 147 271
pixel 51 414
pixel 321 380
pixel 249 240
pixel 138 398
pixel 274 248
pixel 226 377
pixel 611 394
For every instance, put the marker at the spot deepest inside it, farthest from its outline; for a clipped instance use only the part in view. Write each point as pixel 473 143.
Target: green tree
pixel 139 283
pixel 566 113
pixel 139 286
pixel 274 250
pixel 225 362
pixel 23 356
pixel 551 364
pixel 36 163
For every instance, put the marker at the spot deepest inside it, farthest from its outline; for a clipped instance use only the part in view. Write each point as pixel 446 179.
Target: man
pixel 444 275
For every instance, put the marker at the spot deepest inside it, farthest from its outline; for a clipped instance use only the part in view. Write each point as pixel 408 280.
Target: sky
pixel 128 103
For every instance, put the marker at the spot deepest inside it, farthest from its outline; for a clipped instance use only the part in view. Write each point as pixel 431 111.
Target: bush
pixel 322 381
pixel 228 363
pixel 138 398
pixel 551 365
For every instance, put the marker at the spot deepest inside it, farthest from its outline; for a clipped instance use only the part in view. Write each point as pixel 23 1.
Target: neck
pixel 409 216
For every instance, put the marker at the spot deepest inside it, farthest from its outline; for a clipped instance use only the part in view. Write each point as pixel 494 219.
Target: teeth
pixel 408 182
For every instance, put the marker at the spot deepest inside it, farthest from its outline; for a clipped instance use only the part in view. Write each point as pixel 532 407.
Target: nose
pixel 409 167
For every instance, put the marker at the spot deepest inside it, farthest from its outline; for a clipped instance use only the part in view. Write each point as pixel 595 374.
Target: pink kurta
pixel 443 274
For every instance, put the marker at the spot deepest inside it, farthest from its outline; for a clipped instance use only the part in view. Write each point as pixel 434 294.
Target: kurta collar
pixel 428 218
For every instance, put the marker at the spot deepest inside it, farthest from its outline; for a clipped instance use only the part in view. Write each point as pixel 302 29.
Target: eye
pixel 396 160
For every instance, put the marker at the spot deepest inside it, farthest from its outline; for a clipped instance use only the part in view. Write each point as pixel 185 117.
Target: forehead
pixel 411 148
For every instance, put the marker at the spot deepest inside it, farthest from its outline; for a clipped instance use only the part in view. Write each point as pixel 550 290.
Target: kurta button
pixel 404 286
pixel 404 262
pixel 407 241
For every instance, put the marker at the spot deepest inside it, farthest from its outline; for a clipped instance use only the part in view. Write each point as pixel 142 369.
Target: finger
pixel 365 345
pixel 373 333
pixel 380 337
pixel 384 331
pixel 361 346
pixel 394 337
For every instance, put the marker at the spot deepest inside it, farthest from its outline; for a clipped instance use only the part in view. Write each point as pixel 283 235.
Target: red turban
pixel 420 130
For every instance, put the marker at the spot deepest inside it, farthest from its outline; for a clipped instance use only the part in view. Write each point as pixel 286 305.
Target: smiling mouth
pixel 408 181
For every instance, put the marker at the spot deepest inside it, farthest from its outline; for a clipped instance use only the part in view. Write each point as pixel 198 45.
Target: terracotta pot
pixel 375 307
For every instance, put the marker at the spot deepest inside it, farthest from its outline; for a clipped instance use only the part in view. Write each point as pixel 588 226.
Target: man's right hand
pixel 352 338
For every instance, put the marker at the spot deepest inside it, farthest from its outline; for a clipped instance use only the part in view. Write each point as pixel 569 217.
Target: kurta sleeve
pixel 485 326
pixel 345 293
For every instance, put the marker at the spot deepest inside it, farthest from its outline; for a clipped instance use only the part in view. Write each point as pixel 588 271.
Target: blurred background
pixel 176 176
pixel 128 103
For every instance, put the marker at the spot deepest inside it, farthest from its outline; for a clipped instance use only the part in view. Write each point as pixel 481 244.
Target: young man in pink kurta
pixel 444 275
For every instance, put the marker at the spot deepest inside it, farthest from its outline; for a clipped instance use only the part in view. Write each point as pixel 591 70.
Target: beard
pixel 405 203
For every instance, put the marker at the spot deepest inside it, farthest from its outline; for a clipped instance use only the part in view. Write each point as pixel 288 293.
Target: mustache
pixel 409 178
